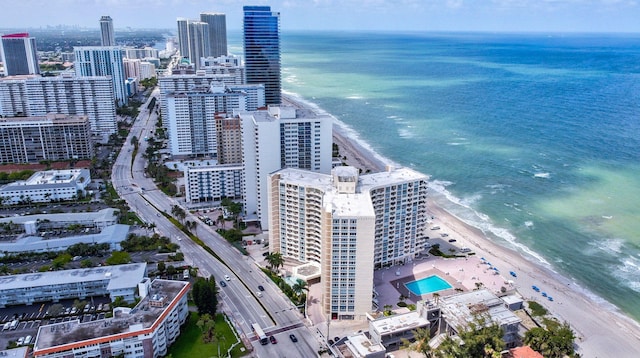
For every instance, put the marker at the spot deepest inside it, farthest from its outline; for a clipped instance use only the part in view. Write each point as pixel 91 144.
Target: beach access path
pixel 601 329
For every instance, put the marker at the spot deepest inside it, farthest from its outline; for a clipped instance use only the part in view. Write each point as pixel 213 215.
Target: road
pixel 239 298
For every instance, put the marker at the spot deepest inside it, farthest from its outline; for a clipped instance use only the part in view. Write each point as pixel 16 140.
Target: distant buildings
pixel 183 36
pixel 217 33
pixel 276 138
pixel 139 69
pixel 107 36
pixel 53 137
pixel 29 96
pixel 350 225
pixel 19 54
pixel 103 61
pixel 198 42
pixel 146 330
pixel 45 186
pixel 262 50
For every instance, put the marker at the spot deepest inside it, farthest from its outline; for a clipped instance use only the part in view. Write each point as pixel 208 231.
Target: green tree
pixel 118 258
pixel 481 338
pixel 420 344
pixel 60 261
pixel 206 325
pixel 204 293
pixel 161 267
pixel 178 212
pixel 555 341
pixel 274 261
pixel 86 263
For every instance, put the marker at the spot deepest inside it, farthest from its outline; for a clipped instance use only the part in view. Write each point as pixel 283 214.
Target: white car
pixel 226 277
pixel 20 341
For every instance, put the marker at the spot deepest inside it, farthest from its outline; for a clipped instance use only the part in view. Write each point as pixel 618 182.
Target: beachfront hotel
pixel 147 330
pixel 276 138
pixel 349 225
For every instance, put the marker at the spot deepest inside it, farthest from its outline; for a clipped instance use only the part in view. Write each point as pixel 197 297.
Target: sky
pixel 380 15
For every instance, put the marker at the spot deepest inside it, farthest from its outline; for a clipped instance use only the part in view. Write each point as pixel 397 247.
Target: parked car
pixel 452 240
pixel 273 340
pixel 226 277
pixel 223 284
pixel 261 288
pixel 293 338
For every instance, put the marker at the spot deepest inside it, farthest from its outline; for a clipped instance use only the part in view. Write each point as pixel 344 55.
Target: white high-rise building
pixel 350 225
pixel 191 118
pixel 103 61
pixel 210 183
pixel 276 138
pixel 66 94
pixel 198 42
pixel 107 35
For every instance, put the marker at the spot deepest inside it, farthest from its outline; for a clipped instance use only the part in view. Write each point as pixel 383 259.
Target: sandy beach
pixel 601 331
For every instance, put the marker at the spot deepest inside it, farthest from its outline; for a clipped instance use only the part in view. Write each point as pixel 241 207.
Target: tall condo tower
pixel 107 37
pixel 217 33
pixel 103 61
pixel 198 41
pixel 183 36
pixel 262 50
pixel 19 54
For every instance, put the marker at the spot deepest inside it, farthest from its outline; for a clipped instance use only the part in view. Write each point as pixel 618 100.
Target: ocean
pixel 534 138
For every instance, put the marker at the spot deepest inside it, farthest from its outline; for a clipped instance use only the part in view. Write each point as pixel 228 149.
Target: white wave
pixel 392 117
pixel 542 175
pixel 610 245
pixel 405 133
pixel 627 272
pixel 529 224
pixel 470 200
pixel 457 143
pixel 608 217
pixel 354 97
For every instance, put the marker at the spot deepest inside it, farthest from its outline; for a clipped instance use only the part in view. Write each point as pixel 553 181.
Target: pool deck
pixel 461 273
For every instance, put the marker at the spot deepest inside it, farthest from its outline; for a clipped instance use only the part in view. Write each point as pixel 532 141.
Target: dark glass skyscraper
pixel 19 54
pixel 217 33
pixel 262 50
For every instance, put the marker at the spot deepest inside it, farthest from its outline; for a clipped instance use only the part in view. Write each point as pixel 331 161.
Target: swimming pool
pixel 427 285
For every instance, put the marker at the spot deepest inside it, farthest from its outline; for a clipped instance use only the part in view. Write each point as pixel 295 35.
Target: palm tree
pixel 421 342
pixel 275 261
pixel 300 286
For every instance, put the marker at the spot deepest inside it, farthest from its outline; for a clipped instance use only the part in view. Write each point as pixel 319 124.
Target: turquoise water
pixel 534 139
pixel 427 285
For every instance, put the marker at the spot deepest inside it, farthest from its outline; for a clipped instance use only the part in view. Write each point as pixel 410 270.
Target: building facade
pixel 45 186
pixel 217 33
pixel 118 280
pixel 212 183
pixel 191 118
pixel 107 35
pixel 342 222
pixel 229 133
pixel 198 42
pixel 19 54
pixel 147 330
pixel 53 137
pixel 183 36
pixel 276 138
pixel 262 50
pixel 103 61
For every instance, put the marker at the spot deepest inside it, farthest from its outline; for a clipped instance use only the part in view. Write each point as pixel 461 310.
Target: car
pixel 261 288
pixel 273 340
pixel 435 228
pixel 258 293
pixel 223 284
pixel 444 234
pixel 27 340
pixel 452 240
pixel 336 339
pixel 20 341
pixel 293 338
pixel 227 278
pixel 330 342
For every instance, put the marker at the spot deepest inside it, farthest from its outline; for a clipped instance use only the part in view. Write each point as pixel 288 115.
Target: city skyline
pixel 381 15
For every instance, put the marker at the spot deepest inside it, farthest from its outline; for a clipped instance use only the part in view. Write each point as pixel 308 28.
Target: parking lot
pixel 30 318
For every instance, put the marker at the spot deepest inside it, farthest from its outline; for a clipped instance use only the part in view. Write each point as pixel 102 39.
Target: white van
pixel 27 340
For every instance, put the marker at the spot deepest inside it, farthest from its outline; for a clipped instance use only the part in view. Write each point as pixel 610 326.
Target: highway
pixel 238 299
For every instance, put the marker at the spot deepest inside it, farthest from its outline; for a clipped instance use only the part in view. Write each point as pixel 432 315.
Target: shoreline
pixel 599 331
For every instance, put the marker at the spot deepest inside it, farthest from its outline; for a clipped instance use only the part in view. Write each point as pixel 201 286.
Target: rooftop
pixel 462 308
pixel 361 346
pixel 119 276
pixel 398 323
pixel 104 215
pixel 162 297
